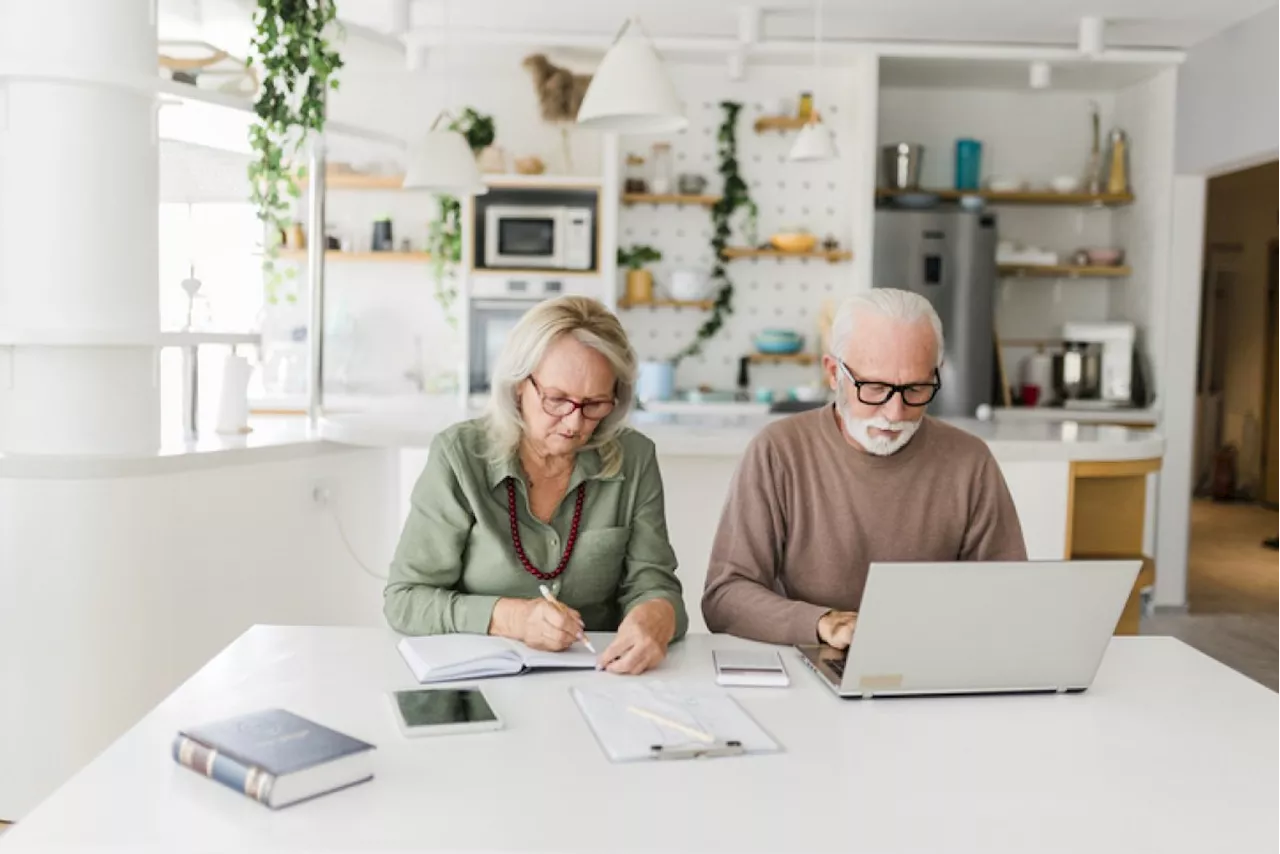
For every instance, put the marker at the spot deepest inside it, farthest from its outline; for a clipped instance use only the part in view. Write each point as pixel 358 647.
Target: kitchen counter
pixel 1136 417
pixel 272 439
pixel 689 434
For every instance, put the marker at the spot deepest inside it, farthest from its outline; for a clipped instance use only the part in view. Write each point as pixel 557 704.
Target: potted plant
pixel 639 280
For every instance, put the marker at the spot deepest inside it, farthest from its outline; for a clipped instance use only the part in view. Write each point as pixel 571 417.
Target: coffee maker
pixel 1116 342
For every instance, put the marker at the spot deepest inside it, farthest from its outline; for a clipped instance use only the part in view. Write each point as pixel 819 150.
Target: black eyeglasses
pixel 562 407
pixel 877 394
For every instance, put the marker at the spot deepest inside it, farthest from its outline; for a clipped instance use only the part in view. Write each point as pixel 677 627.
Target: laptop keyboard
pixel 837 666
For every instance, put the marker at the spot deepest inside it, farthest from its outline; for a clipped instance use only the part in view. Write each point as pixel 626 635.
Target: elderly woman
pixel 550 488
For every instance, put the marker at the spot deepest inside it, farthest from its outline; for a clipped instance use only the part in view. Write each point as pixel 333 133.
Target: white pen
pixel 551 597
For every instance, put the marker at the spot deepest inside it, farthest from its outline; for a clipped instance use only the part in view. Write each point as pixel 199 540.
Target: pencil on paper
pixel 704 737
pixel 551 597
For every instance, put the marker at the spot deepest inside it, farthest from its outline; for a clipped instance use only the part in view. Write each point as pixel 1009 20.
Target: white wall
pixel 114 591
pixel 833 199
pixel 1146 113
pixel 1229 99
pixel 1030 136
pixel 827 199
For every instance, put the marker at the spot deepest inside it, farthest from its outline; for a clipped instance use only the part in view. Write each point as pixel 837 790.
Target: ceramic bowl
pixel 794 241
pixel 1105 256
pixel 1065 184
pixel 1003 185
pixel 778 342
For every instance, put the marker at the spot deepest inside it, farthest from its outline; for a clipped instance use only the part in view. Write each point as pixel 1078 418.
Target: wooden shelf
pixel 380 257
pixel 831 255
pixel 1020 197
pixel 789 358
pixel 530 271
pixel 779 123
pixel 1063 271
pixel 356 181
pixel 668 199
pixel 700 305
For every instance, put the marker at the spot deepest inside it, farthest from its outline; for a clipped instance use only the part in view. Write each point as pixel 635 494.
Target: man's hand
pixel 835 628
pixel 642 638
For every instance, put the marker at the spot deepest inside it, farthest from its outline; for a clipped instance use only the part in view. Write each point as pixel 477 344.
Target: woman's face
pixel 570 373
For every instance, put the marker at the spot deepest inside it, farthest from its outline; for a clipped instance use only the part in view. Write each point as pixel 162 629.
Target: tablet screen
pixel 441 706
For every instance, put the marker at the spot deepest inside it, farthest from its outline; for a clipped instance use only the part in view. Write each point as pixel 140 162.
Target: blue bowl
pixel 778 342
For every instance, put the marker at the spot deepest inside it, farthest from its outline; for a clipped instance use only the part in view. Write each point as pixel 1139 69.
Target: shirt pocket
pixel 595 570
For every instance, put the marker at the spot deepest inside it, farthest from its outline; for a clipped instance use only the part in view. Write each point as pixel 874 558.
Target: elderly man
pixel 819 496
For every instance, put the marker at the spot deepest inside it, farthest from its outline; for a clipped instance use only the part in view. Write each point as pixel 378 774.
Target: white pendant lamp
pixel 631 91
pixel 444 163
pixel 816 141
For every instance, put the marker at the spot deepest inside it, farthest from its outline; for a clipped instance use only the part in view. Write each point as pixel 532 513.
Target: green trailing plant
pixel 735 196
pixel 298 68
pixel 444 233
pixel 635 257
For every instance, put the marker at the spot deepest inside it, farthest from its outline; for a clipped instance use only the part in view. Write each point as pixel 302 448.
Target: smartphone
pixel 443 711
pixel 751 668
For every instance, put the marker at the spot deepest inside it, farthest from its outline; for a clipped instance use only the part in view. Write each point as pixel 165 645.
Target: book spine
pixel 245 779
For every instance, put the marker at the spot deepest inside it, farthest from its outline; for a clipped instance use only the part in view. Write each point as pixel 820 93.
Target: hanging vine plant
pixel 444 233
pixel 733 198
pixel 298 66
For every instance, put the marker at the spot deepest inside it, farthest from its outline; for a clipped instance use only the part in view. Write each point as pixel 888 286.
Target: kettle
pixel 1077 371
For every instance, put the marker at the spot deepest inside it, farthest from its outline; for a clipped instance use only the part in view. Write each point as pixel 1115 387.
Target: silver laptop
pixel 978 628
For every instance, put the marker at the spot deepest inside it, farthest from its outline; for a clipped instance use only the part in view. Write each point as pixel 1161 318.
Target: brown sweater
pixel 807 513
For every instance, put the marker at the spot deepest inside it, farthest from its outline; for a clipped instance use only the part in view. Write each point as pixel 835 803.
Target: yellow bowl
pixel 794 242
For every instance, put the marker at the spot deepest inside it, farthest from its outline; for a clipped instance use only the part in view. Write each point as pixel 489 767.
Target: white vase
pixel 687 285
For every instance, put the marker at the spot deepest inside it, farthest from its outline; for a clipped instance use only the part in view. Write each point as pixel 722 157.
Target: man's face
pixel 888 352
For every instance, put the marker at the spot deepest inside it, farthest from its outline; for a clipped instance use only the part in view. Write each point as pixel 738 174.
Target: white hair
pixel 591 324
pixel 905 306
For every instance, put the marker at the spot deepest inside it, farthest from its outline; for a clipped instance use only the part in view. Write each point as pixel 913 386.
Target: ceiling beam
pixel 834 49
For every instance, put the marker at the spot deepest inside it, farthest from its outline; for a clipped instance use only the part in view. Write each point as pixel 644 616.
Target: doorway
pixel 1230 568
pixel 1270 496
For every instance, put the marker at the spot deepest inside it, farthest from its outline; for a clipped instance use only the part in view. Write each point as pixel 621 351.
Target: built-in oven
pixel 496 305
pixel 556 237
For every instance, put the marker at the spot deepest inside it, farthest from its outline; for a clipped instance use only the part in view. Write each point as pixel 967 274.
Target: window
pixel 221 245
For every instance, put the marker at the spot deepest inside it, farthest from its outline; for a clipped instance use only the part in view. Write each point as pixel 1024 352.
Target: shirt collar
pixel 586 466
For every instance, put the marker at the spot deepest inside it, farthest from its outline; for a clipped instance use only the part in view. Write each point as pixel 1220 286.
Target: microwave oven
pixel 553 238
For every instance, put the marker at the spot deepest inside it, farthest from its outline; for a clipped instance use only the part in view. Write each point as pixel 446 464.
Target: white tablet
pixel 751 668
pixel 443 711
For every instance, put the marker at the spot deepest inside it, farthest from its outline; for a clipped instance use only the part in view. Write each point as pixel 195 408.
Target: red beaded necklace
pixel 568 546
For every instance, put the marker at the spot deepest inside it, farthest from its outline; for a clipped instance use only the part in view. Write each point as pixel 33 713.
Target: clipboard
pixel 662 722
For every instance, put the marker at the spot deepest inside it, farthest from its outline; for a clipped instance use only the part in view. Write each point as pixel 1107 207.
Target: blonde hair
pixel 590 323
pixel 905 306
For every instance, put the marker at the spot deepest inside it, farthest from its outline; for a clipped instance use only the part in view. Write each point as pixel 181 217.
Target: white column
pixel 1178 369
pixel 79 305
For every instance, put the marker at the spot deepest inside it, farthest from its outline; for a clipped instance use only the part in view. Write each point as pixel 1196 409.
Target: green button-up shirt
pixel 456 557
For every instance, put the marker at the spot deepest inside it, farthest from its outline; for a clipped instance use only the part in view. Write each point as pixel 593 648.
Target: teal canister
pixel 968 164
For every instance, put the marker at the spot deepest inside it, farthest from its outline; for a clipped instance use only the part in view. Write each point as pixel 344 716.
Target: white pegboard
pixel 768 293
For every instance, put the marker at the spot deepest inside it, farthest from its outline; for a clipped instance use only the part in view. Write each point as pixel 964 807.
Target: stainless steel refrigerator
pixel 949 257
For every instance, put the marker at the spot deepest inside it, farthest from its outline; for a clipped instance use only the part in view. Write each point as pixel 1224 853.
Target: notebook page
pixel 625 736
pixel 438 658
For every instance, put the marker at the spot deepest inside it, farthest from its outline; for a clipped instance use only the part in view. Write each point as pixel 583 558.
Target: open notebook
pixel 444 658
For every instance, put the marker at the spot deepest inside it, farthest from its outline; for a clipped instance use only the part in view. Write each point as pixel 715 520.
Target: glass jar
pixel 806 106
pixel 661 178
pixel 633 181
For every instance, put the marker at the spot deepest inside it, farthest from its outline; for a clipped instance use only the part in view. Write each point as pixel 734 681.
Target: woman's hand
pixel 642 638
pixel 536 623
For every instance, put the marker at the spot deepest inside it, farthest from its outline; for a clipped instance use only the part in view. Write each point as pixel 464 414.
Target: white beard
pixel 859 430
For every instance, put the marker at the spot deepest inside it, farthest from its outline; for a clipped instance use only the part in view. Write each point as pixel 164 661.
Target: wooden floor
pixel 1231 590
pixel 1228 570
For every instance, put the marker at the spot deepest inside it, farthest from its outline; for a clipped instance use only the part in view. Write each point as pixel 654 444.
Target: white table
pixel 1168 752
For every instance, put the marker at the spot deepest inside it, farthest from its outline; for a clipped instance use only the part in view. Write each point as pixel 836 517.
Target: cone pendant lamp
pixel 631 92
